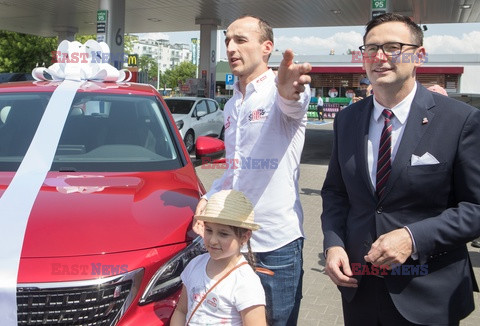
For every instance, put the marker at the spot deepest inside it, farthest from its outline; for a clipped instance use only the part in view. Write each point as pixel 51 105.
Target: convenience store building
pixel 457 73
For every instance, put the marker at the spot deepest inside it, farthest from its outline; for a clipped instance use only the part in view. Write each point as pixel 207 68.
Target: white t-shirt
pixel 264 137
pixel 239 290
pixel 320 101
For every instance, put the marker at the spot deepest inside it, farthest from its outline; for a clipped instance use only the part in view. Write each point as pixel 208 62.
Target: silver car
pixel 196 116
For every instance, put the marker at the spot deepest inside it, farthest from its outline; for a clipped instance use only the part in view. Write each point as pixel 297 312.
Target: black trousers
pixel 320 112
pixel 373 306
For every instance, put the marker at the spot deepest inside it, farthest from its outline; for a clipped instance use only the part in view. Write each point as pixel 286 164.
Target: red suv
pixel 110 230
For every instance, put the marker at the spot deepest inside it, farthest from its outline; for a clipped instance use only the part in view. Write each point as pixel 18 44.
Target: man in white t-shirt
pixel 265 122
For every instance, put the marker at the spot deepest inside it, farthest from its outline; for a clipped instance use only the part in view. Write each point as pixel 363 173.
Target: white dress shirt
pixel 400 111
pixel 264 137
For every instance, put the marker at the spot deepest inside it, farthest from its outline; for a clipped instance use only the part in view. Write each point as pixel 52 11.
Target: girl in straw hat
pixel 219 288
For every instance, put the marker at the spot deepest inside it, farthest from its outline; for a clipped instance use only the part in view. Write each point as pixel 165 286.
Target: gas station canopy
pixel 46 17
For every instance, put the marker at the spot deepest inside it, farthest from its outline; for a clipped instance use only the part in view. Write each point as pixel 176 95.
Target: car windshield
pixel 103 132
pixel 179 106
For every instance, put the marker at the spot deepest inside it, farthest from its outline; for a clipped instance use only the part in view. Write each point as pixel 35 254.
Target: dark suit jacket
pixel 439 203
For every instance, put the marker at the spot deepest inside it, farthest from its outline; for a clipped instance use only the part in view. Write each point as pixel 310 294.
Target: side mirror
pixel 209 149
pixel 201 114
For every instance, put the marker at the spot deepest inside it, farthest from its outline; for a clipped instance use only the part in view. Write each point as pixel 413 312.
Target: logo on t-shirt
pixel 261 79
pixel 256 115
pixel 211 301
pixel 228 123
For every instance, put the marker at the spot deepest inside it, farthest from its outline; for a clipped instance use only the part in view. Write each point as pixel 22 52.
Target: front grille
pixel 77 303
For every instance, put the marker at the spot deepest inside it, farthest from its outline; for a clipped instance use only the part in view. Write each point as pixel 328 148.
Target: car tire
pixel 189 141
pixel 222 134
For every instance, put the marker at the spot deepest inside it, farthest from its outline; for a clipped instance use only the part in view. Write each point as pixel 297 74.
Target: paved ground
pixel 321 304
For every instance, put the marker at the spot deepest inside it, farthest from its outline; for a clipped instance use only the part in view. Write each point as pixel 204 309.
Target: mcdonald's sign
pixel 132 60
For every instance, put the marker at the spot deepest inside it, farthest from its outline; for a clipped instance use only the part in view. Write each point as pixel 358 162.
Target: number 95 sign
pixel 379 4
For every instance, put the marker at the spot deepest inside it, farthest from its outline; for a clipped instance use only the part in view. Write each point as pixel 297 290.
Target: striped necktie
pixel 384 163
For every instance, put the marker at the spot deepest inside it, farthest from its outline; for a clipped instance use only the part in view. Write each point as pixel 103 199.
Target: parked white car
pixel 196 116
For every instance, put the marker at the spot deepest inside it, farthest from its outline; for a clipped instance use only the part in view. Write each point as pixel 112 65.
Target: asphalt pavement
pixel 321 304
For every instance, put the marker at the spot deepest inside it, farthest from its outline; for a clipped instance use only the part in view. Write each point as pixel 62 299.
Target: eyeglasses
pixel 389 48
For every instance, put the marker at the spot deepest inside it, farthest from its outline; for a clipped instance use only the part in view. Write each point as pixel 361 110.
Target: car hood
pixel 86 214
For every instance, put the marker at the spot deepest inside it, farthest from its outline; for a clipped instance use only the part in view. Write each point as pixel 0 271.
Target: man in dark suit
pixel 395 234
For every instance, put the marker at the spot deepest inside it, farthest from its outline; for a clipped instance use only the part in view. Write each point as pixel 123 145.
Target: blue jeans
pixel 283 291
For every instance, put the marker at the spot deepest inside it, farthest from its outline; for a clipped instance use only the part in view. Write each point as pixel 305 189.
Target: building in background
pixel 167 55
pixel 334 76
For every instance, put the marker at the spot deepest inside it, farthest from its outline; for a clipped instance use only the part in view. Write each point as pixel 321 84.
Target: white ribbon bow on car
pixel 81 62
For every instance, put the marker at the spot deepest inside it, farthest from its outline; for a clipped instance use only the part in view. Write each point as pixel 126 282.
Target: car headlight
pixel 179 124
pixel 167 279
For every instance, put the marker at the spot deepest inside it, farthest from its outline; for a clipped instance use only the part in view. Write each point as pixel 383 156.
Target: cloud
pixel 315 45
pixel 153 36
pixel 447 44
pixel 343 41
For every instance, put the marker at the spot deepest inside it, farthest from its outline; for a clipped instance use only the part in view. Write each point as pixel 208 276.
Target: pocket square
pixel 425 159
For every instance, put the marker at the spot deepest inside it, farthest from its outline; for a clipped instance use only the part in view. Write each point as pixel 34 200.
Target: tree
pixel 22 52
pixel 148 65
pixel 129 40
pixel 179 74
pixel 84 38
pixel 171 77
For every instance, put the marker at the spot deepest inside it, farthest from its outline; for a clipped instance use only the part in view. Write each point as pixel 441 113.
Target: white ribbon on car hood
pixel 17 201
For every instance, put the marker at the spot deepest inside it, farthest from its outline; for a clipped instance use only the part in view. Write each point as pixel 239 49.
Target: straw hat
pixel 229 207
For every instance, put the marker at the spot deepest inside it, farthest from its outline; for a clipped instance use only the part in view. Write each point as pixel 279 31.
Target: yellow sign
pixel 132 60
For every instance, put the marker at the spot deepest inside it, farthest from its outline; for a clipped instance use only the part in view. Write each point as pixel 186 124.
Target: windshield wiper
pixel 67 169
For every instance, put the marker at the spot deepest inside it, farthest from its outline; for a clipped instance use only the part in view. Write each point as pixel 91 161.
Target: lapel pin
pixel 424 121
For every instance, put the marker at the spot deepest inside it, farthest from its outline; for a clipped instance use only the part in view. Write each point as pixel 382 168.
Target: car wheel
pixel 189 141
pixel 222 134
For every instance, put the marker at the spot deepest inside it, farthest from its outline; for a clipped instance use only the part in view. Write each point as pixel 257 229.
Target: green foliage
pixel 129 39
pixel 179 74
pixel 171 77
pixel 84 38
pixel 148 64
pixel 22 52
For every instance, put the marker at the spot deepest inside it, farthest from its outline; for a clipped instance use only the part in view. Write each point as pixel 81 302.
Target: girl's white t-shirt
pixel 239 290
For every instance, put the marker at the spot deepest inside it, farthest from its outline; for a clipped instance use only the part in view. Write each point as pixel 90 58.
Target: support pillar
pixel 208 56
pixel 115 30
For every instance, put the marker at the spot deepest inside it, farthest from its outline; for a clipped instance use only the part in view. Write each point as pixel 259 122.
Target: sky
pixel 438 39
